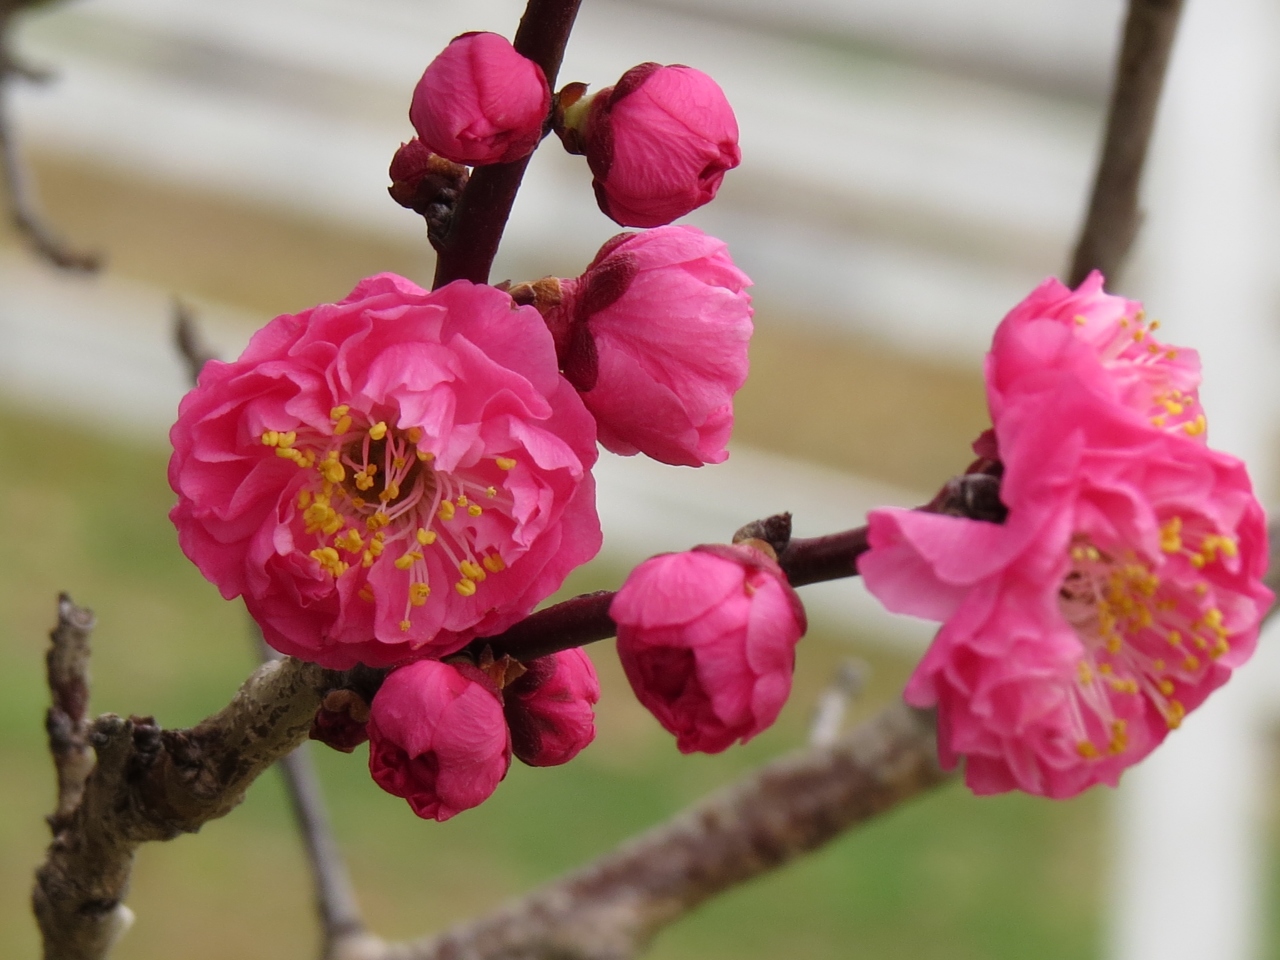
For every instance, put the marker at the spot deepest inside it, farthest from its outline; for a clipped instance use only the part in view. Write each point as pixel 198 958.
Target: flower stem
pixel 467 251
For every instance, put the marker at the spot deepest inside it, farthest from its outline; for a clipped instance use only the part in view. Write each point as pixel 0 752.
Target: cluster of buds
pixel 658 142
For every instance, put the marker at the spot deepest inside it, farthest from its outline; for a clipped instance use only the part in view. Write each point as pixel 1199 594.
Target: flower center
pixel 1131 345
pixel 373 497
pixel 1148 630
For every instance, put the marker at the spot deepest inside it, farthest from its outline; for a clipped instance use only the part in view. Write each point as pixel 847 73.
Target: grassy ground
pixel 948 876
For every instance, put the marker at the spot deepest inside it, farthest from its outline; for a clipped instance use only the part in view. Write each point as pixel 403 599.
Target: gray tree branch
pixel 611 909
pixel 153 784
pixel 24 210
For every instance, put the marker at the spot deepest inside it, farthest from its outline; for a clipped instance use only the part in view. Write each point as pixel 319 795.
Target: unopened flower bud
pixel 707 639
pixel 342 720
pixel 654 336
pixel 480 102
pixel 549 708
pixel 437 737
pixel 425 182
pixel 658 142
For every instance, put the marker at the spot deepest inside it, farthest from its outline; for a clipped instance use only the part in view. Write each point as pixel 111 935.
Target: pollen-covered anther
pixel 378 430
pixel 329 561
pixel 494 563
pixel 504 463
pixel 1119 737
pixel 418 593
pixel 331 468
pixel 407 560
pixel 465 587
pixel 351 541
pixel 472 570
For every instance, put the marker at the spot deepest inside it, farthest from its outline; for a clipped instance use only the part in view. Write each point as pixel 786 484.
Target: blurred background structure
pixel 912 168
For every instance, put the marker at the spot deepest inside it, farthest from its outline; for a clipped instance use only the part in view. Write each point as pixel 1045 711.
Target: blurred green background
pixel 947 876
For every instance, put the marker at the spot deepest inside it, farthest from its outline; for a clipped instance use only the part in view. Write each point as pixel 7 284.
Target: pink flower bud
pixel 707 639
pixel 437 737
pixel 549 708
pixel 654 336
pixel 480 102
pixel 658 143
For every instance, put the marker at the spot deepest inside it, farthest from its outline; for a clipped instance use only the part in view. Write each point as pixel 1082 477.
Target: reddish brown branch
pixel 1113 216
pixel 585 619
pixel 466 252
pixel 805 560
pixel 610 909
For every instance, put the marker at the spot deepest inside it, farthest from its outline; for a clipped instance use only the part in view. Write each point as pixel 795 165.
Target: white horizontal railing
pixel 886 197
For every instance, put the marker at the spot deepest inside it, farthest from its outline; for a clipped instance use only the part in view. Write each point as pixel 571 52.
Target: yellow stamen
pixel 418 593
pixel 446 510
pixel 425 537
pixel 407 560
pixel 465 587
pixel 494 563
pixel 378 430
pixel 504 463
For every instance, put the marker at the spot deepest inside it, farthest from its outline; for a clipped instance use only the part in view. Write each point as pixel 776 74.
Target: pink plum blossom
pixel 654 334
pixel 480 102
pixel 550 708
pixel 707 639
pixel 1105 342
pixel 437 737
pixel 1124 586
pixel 658 143
pixel 387 477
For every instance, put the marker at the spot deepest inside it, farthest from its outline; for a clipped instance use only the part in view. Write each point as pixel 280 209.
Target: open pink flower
pixel 389 476
pixel 480 102
pixel 437 737
pixel 1123 588
pixel 1101 340
pixel 654 334
pixel 707 639
pixel 550 708
pixel 658 143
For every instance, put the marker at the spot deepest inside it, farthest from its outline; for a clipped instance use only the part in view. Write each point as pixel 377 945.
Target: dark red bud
pixel 341 721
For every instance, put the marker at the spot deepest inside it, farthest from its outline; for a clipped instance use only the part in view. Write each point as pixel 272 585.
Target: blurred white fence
pixel 879 192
